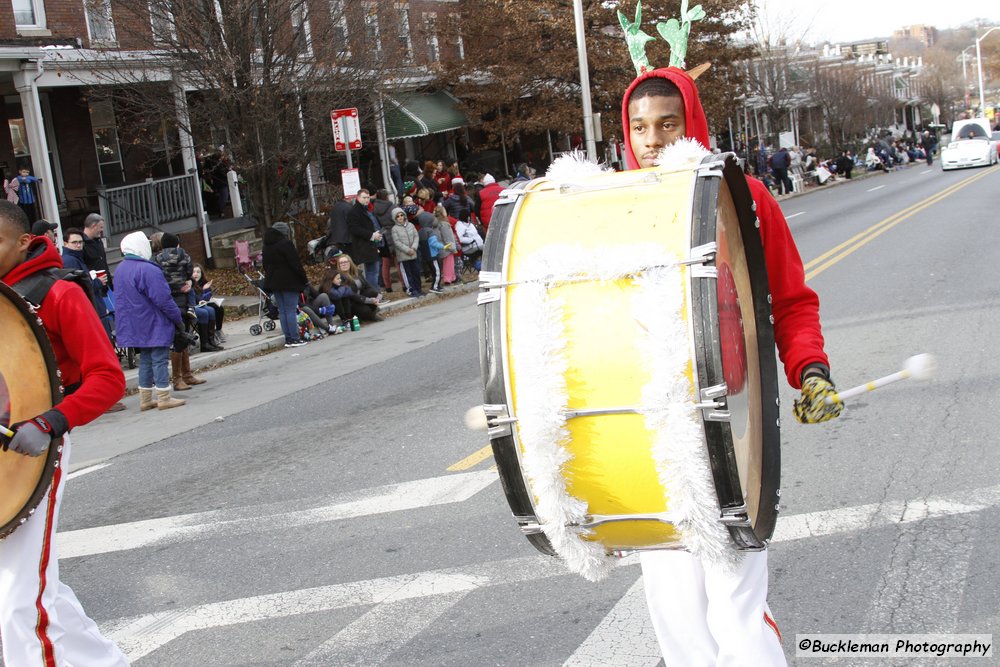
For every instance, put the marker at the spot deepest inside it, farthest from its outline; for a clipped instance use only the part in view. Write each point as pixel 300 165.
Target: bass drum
pixel 29 385
pixel 556 265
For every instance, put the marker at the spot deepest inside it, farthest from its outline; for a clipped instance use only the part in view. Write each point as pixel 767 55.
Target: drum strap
pixel 36 287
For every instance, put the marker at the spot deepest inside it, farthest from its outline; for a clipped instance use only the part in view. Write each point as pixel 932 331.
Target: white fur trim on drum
pixel 574 165
pixel 682 153
pixel 538 363
pixel 679 449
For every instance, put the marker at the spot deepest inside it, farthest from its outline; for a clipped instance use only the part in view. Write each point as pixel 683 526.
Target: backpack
pixel 36 287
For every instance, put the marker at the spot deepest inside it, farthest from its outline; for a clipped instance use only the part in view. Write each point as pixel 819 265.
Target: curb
pixel 209 360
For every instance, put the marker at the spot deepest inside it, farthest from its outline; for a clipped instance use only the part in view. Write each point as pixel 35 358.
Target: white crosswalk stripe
pixel 290 514
pixel 405 605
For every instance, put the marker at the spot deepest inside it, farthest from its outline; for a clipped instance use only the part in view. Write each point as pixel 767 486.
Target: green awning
pixel 418 115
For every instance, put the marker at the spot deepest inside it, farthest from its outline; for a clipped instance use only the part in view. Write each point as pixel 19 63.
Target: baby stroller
pixel 267 309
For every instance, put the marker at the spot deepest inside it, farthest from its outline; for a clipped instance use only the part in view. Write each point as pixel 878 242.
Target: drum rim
pixel 54 452
pixel 503 443
pixel 745 535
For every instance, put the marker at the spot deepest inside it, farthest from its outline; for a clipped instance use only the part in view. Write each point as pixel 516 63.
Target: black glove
pixel 34 436
pixel 183 340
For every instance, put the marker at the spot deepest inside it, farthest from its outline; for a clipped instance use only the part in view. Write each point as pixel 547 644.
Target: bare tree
pixel 521 72
pixel 776 79
pixel 841 97
pixel 260 76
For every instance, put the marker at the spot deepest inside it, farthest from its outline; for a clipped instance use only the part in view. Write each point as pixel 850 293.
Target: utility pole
pixel 588 114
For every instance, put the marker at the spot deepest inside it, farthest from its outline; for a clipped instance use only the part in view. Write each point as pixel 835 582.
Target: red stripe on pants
pixel 774 626
pixel 42 625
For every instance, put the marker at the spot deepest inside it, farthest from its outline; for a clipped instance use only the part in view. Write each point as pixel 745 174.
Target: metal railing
pixel 149 204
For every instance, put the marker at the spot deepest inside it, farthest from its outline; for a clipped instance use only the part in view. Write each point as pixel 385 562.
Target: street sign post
pixel 346 131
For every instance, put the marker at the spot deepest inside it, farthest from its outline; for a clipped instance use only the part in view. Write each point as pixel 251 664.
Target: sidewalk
pixel 241 344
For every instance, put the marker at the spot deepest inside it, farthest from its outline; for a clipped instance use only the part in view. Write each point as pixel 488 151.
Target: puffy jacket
pixel 487 200
pixel 177 267
pixel 458 207
pixel 283 271
pixel 406 240
pixel 145 313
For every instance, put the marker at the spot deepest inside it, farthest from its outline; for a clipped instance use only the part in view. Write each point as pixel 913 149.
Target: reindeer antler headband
pixel 675 33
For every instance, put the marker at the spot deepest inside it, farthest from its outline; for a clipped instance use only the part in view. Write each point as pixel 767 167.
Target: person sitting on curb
pixel 202 289
pixel 148 320
pixel 364 297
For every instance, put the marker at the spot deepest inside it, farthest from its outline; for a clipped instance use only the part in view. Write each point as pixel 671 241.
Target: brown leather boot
pixel 177 371
pixel 186 374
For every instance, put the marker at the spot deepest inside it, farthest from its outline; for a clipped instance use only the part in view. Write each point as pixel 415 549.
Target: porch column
pixel 189 158
pixel 31 107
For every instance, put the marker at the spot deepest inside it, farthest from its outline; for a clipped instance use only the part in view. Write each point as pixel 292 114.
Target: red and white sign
pixel 351 179
pixel 346 129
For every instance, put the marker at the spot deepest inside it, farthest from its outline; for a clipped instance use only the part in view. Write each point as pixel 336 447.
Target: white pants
pixel 41 622
pixel 703 616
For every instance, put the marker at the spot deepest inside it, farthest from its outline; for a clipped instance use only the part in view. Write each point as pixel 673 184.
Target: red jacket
pixel 795 306
pixel 84 355
pixel 487 200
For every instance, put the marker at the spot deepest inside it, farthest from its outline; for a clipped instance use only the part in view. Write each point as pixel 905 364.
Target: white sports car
pixel 971 145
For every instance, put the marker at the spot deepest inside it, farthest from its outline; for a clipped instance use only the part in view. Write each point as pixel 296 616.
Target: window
pixel 456 22
pixel 430 24
pixel 29 13
pixel 300 29
pixel 338 21
pixel 109 157
pixel 161 20
pixel 373 35
pixel 405 43
pixel 99 23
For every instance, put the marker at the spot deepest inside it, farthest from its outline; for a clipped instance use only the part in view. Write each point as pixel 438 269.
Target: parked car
pixel 971 145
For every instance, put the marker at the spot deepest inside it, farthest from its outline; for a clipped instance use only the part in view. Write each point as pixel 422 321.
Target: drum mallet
pixel 918 367
pixel 6 431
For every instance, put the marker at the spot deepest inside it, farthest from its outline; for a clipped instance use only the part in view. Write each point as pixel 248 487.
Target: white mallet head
pixel 475 418
pixel 921 366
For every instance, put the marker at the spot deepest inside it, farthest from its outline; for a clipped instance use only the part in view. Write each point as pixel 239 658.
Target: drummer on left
pixel 41 621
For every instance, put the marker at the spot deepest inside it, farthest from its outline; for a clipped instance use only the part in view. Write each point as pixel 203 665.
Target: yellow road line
pixel 859 240
pixel 472 459
pixel 892 218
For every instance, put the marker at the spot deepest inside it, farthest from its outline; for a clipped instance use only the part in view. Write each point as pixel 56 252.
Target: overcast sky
pixel 849 20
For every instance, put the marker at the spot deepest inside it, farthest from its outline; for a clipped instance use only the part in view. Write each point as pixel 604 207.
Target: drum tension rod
pixel 702 254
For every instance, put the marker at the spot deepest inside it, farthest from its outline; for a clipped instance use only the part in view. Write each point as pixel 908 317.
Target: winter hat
pixel 396 211
pixel 411 210
pixel 137 244
pixel 283 228
pixel 488 180
pixel 169 240
pixel 458 181
pixel 42 226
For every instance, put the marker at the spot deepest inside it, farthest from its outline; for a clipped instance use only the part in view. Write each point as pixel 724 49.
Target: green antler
pixel 676 33
pixel 636 39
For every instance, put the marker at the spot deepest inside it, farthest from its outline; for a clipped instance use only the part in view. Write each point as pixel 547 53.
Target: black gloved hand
pixel 34 436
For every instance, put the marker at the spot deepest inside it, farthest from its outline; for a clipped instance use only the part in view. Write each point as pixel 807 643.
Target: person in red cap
pixel 705 614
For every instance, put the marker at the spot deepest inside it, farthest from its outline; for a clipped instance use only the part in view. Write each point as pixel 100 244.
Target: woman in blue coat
pixel 147 319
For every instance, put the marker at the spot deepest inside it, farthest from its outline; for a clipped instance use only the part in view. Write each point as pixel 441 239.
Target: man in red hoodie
pixel 41 620
pixel 702 614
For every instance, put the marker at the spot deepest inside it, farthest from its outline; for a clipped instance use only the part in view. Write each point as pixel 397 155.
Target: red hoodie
pixel 795 307
pixel 85 356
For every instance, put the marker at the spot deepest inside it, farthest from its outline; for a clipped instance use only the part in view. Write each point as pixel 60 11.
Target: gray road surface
pixel 300 510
